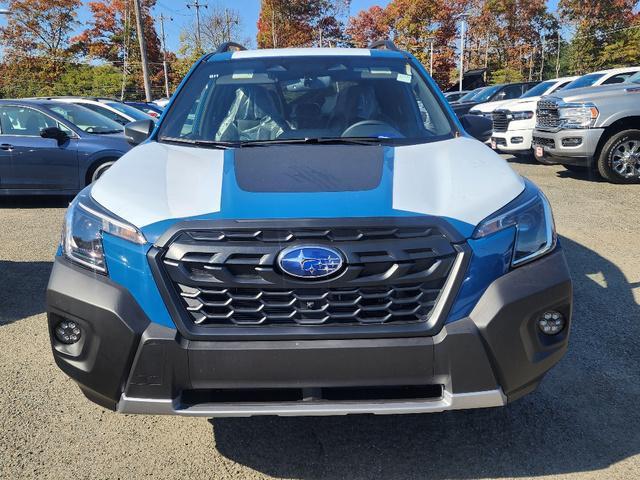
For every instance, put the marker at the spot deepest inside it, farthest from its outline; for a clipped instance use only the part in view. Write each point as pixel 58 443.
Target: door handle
pixel 6 146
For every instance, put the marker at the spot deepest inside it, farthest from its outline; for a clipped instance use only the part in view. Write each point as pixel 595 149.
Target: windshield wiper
pixel 316 140
pixel 200 143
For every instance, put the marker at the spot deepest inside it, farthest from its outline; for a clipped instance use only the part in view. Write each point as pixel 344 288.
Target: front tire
pixel 619 160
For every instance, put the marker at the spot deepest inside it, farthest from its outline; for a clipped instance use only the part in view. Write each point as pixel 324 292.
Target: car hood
pixel 489 107
pixel 593 93
pixel 156 185
pixel 109 140
pixel 520 105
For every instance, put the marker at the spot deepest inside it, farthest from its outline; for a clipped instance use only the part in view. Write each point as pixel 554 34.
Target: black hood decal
pixel 309 168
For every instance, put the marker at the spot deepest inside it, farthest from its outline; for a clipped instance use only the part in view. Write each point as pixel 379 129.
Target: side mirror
pixel 138 131
pixel 55 133
pixel 477 126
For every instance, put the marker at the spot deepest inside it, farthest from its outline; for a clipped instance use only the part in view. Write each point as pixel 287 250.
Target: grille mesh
pixel 547 115
pixel 500 121
pixel 231 278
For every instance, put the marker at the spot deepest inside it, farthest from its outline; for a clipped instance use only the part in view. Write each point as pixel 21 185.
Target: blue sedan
pixel 49 147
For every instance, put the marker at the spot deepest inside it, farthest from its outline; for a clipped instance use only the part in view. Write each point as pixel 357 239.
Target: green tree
pixel 596 23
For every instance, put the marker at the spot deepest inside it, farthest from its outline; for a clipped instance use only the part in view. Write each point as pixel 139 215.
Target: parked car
pixel 161 102
pixel 110 108
pixel 455 96
pixel 595 128
pixel 493 93
pixel 308 232
pixel 611 76
pixel 469 95
pixel 149 108
pixel 513 122
pixel 488 108
pixel 48 147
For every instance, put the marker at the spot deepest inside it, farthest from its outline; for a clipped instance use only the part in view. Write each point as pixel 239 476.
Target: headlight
pixel 581 115
pixel 531 216
pixel 521 115
pixel 84 224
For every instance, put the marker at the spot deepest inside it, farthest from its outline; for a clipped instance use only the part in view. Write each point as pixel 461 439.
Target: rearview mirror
pixel 138 131
pixel 477 126
pixel 54 133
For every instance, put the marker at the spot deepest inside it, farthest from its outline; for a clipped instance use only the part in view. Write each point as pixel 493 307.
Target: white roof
pixel 300 52
pixel 618 70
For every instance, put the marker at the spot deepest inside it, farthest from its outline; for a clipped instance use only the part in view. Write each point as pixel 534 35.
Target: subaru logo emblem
pixel 312 261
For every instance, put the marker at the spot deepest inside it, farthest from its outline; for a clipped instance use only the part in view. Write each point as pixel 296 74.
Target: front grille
pixel 543 142
pixel 547 115
pixel 230 277
pixel 501 121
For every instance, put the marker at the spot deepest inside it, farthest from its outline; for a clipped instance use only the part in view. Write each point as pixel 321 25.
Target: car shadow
pixel 36 201
pixel 584 417
pixel 587 175
pixel 23 287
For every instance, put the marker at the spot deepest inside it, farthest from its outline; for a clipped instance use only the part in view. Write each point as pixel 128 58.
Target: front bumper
pixel 553 149
pixel 505 141
pixel 129 364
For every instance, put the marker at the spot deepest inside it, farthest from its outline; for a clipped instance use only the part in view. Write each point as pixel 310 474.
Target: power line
pixel 197 5
pixel 164 53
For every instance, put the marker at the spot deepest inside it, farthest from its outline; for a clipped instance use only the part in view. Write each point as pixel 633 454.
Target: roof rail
pixel 383 45
pixel 230 47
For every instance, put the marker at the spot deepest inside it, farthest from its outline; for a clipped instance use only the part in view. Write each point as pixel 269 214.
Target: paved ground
pixel 584 421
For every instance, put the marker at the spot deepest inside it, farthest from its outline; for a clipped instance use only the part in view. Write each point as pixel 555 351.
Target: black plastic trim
pixel 192 331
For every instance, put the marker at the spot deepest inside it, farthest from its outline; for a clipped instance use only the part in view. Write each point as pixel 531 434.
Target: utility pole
pixel 197 5
pixel 431 40
pixel 542 45
pixel 558 57
pixel 164 53
pixel 125 49
pixel 463 17
pixel 143 51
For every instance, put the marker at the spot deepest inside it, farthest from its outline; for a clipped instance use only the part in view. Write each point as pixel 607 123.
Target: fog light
pixel 551 323
pixel 571 141
pixel 67 332
pixel 517 140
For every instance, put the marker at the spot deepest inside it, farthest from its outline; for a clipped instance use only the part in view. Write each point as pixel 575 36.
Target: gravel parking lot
pixel 583 422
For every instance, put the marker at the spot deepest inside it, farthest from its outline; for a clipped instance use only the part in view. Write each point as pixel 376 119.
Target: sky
pixel 182 17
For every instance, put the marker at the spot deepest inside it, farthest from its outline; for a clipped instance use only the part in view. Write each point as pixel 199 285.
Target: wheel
pixel 99 170
pixel 576 168
pixel 619 160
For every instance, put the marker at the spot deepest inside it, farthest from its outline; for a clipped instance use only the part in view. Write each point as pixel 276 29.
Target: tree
pixel 111 36
pixel 368 26
pixel 413 22
pixel 219 25
pixel 596 22
pixel 35 44
pixel 301 23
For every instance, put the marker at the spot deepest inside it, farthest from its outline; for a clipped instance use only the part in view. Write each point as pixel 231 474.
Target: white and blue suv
pixel 308 232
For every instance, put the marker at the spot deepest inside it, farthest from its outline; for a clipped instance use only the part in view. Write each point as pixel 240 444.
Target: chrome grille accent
pixel 501 121
pixel 547 117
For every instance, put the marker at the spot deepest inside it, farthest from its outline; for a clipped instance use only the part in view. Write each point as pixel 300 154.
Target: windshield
pixel 469 96
pixel 486 93
pixel 86 120
pixel 584 81
pixel 129 111
pixel 302 98
pixel 539 89
pixel 635 78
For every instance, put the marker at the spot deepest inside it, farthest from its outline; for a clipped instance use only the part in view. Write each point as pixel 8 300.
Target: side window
pixel 619 78
pixel 23 121
pixel 561 86
pixel 511 91
pixel 105 112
